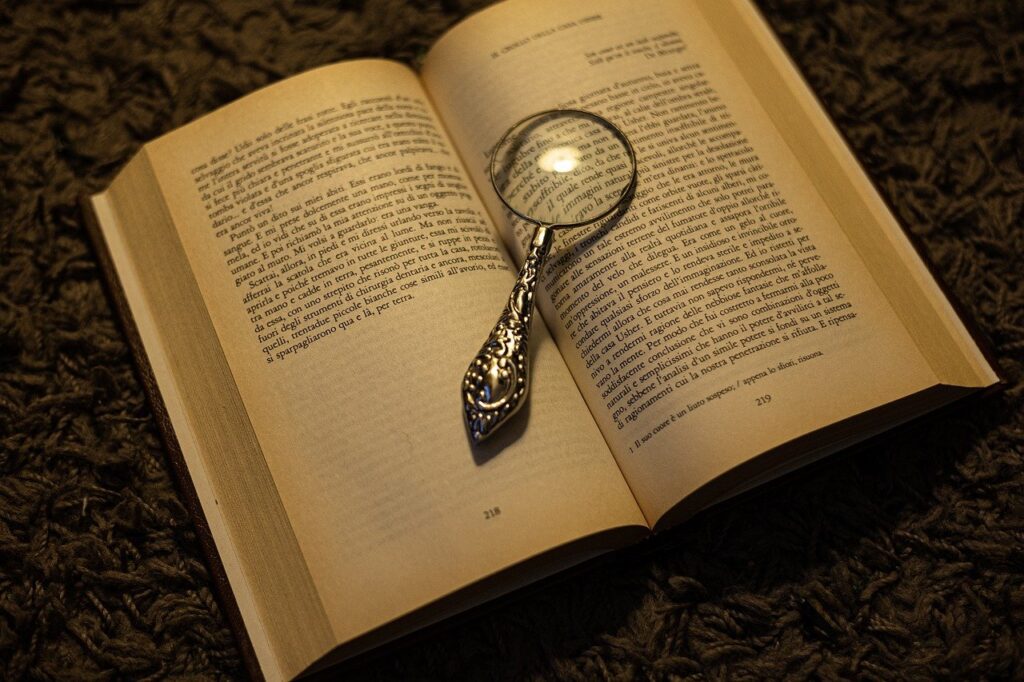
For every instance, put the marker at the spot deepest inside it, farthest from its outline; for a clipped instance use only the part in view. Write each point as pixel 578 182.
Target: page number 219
pixel 763 400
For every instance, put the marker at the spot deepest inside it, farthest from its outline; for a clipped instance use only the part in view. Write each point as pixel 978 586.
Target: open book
pixel 308 271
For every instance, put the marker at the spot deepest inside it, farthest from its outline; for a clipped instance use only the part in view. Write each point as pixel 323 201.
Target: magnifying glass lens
pixel 562 168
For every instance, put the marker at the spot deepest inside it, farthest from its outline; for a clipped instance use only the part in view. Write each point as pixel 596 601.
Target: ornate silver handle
pixel 496 383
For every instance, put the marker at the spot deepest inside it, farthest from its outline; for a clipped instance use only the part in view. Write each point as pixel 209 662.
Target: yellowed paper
pixel 728 312
pixel 351 275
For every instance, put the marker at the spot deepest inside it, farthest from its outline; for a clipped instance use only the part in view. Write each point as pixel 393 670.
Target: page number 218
pixel 491 513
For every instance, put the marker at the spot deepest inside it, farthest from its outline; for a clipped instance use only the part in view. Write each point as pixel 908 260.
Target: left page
pixel 350 274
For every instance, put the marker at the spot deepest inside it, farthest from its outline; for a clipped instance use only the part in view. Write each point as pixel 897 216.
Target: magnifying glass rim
pixel 600 120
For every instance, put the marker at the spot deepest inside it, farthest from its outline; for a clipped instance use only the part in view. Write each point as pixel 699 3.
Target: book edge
pixel 897 415
pixel 980 339
pixel 174 457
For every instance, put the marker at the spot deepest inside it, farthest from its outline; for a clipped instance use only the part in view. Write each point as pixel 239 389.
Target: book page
pixel 351 274
pixel 727 312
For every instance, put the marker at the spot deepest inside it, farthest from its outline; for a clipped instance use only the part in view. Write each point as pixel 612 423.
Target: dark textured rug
pixel 903 559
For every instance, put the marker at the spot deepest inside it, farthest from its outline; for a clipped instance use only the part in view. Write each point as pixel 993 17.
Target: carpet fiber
pixel 903 558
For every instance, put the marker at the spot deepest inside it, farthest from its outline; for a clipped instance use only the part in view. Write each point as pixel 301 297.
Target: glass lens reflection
pixel 563 168
pixel 560 159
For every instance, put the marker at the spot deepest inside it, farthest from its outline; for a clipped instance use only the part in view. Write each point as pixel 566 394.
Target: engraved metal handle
pixel 498 379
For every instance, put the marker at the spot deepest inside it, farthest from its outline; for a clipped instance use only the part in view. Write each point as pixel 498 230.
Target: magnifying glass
pixel 558 169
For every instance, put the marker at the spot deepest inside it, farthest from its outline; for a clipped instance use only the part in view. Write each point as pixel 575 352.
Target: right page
pixel 730 311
